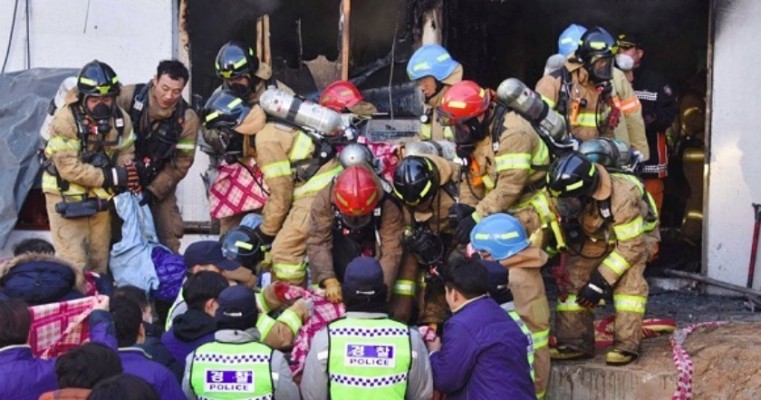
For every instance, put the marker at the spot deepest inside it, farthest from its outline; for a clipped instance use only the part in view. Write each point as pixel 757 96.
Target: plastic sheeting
pixel 24 100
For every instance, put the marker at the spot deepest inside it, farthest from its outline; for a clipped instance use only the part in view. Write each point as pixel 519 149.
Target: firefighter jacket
pixel 631 129
pixel 431 129
pixel 659 109
pixel 68 154
pixel 180 156
pixel 631 227
pixel 498 177
pixel 284 154
pixel 382 235
pixel 436 216
pixel 571 91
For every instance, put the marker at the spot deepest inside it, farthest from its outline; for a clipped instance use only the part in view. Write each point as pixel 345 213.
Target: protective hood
pixel 453 78
pixel 604 187
pixel 530 257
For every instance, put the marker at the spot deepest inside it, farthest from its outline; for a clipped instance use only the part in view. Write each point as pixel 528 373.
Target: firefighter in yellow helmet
pixel 88 160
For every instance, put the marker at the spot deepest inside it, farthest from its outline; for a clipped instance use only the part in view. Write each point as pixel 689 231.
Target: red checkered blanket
pixel 59 327
pixel 236 189
pixel 324 313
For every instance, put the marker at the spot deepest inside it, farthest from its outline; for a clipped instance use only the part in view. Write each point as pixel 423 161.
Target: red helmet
pixel 340 95
pixel 461 102
pixel 356 191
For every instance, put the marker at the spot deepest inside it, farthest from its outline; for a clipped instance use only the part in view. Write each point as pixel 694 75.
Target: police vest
pixel 232 371
pixel 368 359
pixel 530 348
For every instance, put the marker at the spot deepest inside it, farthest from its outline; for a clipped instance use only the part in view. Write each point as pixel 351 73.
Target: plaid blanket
pixel 324 313
pixel 59 327
pixel 237 189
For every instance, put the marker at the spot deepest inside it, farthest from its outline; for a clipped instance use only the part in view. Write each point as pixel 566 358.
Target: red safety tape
pixel 682 360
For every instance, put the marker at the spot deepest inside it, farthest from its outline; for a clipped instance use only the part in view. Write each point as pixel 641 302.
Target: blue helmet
pixel 499 234
pixel 568 41
pixel 431 60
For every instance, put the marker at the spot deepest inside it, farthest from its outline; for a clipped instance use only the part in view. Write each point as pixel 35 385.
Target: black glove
pixel 121 178
pixel 589 295
pixel 464 227
pixel 265 239
pixel 461 220
pixel 426 246
pixel 148 198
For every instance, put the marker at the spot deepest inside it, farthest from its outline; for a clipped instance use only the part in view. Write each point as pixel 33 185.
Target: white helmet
pixel 356 154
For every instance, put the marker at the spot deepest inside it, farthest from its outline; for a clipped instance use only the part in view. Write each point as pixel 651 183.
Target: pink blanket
pixel 59 327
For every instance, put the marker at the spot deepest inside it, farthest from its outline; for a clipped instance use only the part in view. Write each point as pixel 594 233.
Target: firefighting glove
pixel 265 239
pixel 332 290
pixel 148 198
pixel 591 293
pixel 121 178
pixel 464 227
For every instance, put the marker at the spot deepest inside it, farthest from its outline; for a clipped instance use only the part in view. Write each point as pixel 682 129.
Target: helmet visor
pixel 356 222
pixel 569 207
pixel 445 118
pixel 602 69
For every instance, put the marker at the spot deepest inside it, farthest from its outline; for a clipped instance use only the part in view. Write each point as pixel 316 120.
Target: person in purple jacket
pixel 195 326
pixel 128 319
pixel 23 376
pixel 483 351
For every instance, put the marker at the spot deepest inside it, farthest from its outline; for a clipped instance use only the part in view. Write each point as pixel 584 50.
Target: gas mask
pixel 102 114
pixel 624 62
pixel 570 207
pixel 466 134
pixel 240 90
pixel 358 222
pixel 601 69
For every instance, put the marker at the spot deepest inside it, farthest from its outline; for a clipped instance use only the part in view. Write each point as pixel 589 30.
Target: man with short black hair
pixel 483 355
pixel 366 354
pixel 128 320
pixel 81 368
pixel 195 326
pixel 166 128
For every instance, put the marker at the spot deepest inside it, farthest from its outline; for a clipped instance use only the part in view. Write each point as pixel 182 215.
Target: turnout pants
pixel 168 221
pixel 574 324
pixel 290 245
pixel 84 242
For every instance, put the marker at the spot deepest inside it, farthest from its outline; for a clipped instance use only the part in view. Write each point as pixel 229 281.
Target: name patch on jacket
pixel 360 355
pixel 229 381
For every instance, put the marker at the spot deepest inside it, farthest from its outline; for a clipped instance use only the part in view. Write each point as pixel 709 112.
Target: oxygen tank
pixel 56 103
pixel 613 154
pixel 303 113
pixel 441 148
pixel 530 105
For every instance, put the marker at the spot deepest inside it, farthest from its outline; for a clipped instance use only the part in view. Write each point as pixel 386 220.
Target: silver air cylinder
pixel 303 113
pixel 530 105
pixel 441 148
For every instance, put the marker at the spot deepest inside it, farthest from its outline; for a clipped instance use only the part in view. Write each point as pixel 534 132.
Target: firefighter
pixel 293 175
pixel 591 93
pixel 659 109
pixel 434 71
pixel 166 128
pixel 425 186
pixel 500 237
pixel 247 78
pixel 632 131
pixel 352 217
pixel 616 226
pixel 344 97
pixel 88 159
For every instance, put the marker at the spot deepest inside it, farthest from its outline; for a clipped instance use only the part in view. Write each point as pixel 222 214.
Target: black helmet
pixel 97 79
pixel 236 59
pixel 224 110
pixel 416 179
pixel 241 244
pixel 572 175
pixel 596 50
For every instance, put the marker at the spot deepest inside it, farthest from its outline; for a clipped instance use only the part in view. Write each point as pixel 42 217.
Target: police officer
pixel 365 354
pixel 246 78
pixel 292 173
pixel 615 222
pixel 236 364
pixel 351 217
pixel 425 186
pixel 501 238
pixel 166 128
pixel 88 159
pixel 434 70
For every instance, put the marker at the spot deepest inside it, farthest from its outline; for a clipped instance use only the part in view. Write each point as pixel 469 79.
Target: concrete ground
pixel 727 358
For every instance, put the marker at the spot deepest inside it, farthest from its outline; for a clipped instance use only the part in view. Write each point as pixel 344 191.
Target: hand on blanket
pixel 101 303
